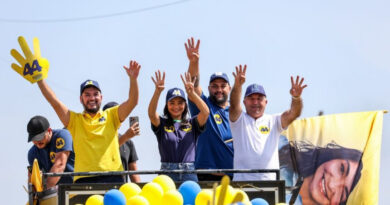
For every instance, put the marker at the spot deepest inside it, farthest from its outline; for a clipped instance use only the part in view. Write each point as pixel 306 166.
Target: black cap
pixel 109 105
pixel 36 128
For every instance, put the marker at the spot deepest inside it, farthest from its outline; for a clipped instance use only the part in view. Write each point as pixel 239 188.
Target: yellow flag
pixel 36 178
pixel 338 156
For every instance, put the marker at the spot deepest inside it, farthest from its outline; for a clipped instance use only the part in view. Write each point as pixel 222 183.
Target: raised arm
pixel 126 107
pixel 235 105
pixel 152 109
pixel 62 111
pixel 195 98
pixel 58 167
pixel 296 103
pixel 130 133
pixel 193 67
pixel 34 68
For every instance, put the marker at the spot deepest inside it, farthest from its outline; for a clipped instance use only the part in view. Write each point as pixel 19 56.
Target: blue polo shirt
pixel 212 152
pixel 177 142
pixel 61 140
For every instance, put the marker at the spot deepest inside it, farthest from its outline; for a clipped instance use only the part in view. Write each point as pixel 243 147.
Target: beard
pixel 219 101
pixel 91 110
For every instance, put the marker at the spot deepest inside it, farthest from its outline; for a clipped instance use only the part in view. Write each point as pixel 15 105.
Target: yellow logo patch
pixel 218 119
pixel 60 143
pixel 187 128
pixel 169 129
pixel 52 157
pixel 264 130
pixel 176 92
pixel 88 83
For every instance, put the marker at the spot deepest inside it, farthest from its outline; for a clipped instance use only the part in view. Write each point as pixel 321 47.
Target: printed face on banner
pixel 328 155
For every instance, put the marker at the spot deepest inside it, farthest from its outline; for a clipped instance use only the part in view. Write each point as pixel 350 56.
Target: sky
pixel 341 48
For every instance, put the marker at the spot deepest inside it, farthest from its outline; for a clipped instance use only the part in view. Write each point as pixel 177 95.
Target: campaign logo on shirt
pixel 60 143
pixel 186 128
pixel 169 129
pixel 264 129
pixel 52 157
pixel 218 119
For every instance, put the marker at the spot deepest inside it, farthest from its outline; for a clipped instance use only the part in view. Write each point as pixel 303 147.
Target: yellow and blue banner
pixel 337 156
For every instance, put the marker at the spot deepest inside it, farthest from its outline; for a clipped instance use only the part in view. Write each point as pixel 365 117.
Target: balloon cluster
pixel 162 191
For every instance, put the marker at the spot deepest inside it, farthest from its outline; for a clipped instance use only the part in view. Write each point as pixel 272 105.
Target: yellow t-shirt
pixel 95 141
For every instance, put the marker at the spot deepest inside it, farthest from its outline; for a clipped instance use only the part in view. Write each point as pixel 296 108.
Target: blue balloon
pixel 114 197
pixel 259 201
pixel 189 190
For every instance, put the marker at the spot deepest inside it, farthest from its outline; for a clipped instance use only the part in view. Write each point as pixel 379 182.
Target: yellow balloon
pixel 172 197
pixel 203 197
pixel 130 189
pixel 137 200
pixel 230 193
pixel 95 200
pixel 152 192
pixel 165 182
pixel 281 204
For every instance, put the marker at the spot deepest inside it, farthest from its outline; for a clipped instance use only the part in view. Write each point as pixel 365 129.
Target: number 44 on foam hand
pixel 33 67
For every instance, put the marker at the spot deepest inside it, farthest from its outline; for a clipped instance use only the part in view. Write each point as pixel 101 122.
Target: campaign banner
pixel 337 156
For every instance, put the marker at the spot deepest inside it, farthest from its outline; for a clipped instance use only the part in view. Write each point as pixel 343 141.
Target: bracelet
pixel 296 98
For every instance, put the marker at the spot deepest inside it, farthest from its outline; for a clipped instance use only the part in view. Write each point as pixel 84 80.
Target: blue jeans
pixel 181 166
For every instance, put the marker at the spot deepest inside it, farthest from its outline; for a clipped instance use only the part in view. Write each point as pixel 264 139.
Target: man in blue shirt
pixel 52 148
pixel 214 148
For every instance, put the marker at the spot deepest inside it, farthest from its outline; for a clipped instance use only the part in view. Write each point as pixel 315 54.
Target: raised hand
pixel 188 83
pixel 159 81
pixel 239 75
pixel 133 69
pixel 33 68
pixel 192 50
pixel 297 87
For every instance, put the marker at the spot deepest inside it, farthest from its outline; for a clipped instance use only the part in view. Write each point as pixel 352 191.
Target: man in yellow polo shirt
pixel 95 132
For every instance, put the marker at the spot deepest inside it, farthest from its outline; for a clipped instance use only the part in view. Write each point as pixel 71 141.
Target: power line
pixel 91 17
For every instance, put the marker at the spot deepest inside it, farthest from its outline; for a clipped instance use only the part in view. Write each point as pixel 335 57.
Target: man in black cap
pixel 52 148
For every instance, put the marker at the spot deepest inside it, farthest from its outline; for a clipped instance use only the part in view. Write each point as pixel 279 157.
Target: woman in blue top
pixel 176 133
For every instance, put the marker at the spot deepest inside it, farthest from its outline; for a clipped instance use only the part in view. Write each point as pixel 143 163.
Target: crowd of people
pixel 195 131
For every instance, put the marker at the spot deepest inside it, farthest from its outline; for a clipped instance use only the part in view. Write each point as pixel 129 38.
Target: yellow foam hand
pixel 33 67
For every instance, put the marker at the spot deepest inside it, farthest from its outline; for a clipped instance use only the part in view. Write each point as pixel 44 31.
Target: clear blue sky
pixel 341 48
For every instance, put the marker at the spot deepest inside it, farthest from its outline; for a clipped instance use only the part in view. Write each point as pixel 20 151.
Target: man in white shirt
pixel 256 134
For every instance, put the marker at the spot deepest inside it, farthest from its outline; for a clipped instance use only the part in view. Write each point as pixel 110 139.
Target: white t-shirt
pixel 255 145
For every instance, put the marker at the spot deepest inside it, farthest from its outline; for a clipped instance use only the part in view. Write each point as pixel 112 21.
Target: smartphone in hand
pixel 133 119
